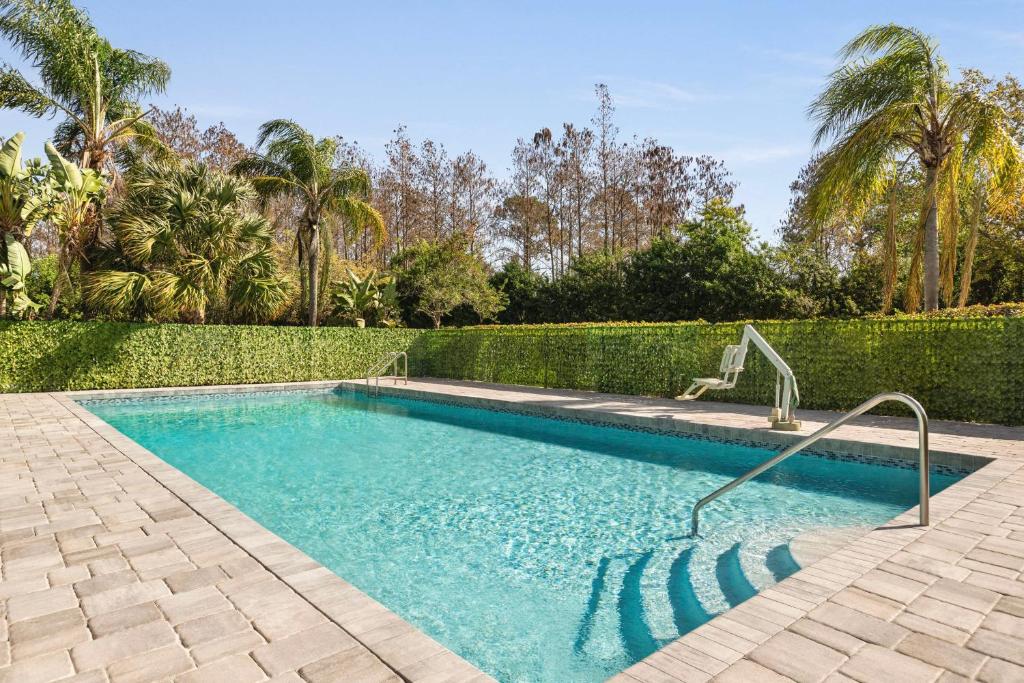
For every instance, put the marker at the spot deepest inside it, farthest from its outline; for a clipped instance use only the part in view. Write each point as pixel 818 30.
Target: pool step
pixel 731 578
pixel 624 591
pixel 687 610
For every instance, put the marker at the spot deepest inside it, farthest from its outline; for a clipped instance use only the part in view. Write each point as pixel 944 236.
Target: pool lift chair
pixel 787 397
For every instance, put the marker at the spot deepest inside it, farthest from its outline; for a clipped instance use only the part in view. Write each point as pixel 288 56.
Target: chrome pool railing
pixel 922 447
pixel 388 361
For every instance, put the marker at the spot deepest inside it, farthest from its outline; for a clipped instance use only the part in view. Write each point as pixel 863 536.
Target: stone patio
pixel 117 567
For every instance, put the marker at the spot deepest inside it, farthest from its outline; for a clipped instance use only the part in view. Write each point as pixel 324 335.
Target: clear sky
pixel 731 79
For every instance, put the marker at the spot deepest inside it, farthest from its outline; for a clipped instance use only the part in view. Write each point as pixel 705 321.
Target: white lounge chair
pixel 730 367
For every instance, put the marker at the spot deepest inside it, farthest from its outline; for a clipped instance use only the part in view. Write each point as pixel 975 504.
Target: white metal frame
pixel 787 396
pixel 390 360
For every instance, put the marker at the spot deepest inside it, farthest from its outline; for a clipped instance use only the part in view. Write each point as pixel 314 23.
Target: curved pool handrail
pixel 922 441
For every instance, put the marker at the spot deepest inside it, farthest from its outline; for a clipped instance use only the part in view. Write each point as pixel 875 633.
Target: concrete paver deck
pixel 115 566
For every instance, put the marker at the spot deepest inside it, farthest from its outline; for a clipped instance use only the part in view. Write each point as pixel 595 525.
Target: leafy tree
pixel 94 85
pixel 76 190
pixel 190 248
pixel 290 161
pixel 592 290
pixel 26 198
pixel 891 103
pixel 711 273
pixel 15 267
pixel 524 290
pixel 435 278
pixel 371 298
pixel 25 190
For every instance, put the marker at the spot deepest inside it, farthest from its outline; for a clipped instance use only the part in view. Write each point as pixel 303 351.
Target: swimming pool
pixel 537 549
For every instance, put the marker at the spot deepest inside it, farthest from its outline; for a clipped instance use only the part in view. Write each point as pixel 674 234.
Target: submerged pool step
pixel 687 610
pixel 780 562
pixel 731 578
pixel 626 588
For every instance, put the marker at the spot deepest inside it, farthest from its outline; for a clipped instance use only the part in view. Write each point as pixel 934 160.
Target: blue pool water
pixel 539 550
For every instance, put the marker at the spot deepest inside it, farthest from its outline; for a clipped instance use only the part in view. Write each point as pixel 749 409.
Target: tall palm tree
pixel 81 77
pixel 891 103
pixel 189 249
pixel 290 161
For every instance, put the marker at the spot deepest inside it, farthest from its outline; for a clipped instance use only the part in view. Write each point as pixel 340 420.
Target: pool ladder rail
pixel 388 363
pixel 922 447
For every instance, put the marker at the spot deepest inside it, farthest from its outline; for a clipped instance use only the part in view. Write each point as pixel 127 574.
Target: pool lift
pixel 787 397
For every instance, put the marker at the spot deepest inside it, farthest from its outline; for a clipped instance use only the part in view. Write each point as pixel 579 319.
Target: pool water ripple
pixel 539 550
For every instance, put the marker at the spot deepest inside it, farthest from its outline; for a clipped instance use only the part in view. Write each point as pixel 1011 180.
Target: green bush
pixel 959 368
pixel 62 355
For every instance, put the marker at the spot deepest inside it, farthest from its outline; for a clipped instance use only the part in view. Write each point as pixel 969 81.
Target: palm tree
pixel 81 77
pixel 189 248
pixel 290 161
pixel 890 104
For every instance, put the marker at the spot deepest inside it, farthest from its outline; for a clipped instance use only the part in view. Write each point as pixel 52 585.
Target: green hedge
pixel 960 369
pixel 53 356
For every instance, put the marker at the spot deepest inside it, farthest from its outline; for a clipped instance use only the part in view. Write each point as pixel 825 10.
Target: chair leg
pixel 690 395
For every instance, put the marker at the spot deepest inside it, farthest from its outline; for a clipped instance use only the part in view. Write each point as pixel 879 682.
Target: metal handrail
pixel 922 446
pixel 374 371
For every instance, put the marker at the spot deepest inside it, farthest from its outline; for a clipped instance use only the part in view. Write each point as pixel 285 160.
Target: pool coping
pixel 729 644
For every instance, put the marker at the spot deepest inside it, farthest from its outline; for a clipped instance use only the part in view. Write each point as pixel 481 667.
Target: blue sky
pixel 731 79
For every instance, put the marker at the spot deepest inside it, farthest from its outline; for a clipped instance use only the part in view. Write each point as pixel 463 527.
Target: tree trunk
pixel 301 248
pixel 972 244
pixel 313 256
pixel 931 243
pixel 890 267
pixel 55 294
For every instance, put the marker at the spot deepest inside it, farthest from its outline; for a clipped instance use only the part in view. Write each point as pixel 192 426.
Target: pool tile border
pixel 403 648
pixel 956 464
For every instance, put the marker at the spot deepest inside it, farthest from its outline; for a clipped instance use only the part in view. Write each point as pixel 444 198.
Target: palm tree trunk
pixel 931 242
pixel 890 267
pixel 313 256
pixel 972 244
pixel 57 285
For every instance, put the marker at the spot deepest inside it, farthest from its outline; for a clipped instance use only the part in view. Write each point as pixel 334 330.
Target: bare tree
pixel 396 195
pixel 545 152
pixel 605 162
pixel 575 149
pixel 434 179
pixel 474 193
pixel 216 146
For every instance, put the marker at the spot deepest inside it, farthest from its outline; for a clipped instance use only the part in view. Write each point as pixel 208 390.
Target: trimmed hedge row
pixel 960 369
pixel 62 355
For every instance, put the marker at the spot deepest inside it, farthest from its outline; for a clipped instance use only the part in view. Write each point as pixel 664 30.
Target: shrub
pixel 968 368
pixel 959 368
pixel 64 355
